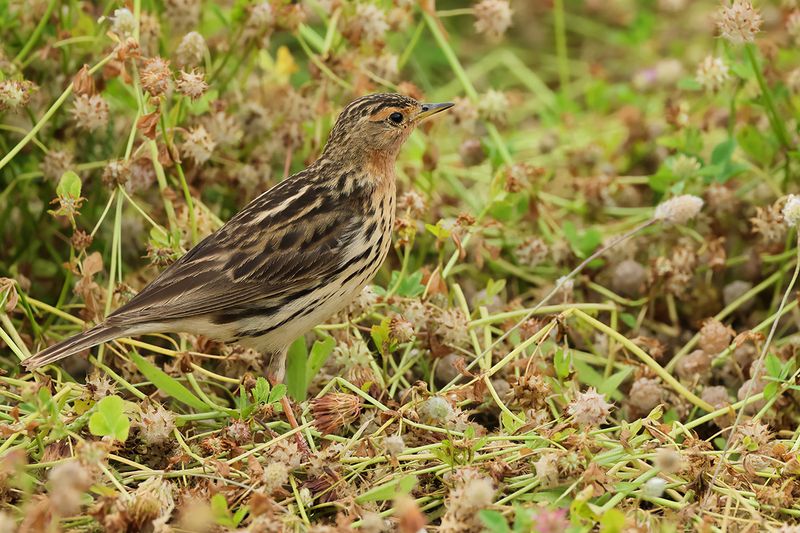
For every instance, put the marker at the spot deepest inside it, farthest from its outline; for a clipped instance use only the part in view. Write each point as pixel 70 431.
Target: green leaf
pixel 510 424
pixel 261 391
pixel 388 491
pixel 723 151
pixel 166 383
pixel 320 351
pixel 220 512
pixel 411 286
pixel 278 392
pixel 773 365
pixel 689 84
pixel 523 521
pixel 296 378
pixel 770 390
pixel 628 319
pixel 239 515
pixel 438 231
pixel 610 385
pixel 69 185
pixel 494 521
pixel 494 287
pixel 761 148
pixel 562 360
pixel 582 242
pixel 109 419
pixel 380 335
pixel 612 521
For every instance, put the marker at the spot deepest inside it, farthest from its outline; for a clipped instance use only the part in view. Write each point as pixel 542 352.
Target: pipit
pixel 292 257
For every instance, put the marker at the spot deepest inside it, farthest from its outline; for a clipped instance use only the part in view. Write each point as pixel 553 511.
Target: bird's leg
pixel 286 404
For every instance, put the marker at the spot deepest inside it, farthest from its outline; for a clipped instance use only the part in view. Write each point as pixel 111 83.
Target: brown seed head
pixel 155 75
pixel 335 410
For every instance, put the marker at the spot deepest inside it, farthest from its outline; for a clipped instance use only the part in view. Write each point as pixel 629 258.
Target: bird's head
pixel 377 125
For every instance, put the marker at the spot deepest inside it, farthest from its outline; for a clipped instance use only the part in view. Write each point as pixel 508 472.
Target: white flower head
pixel 679 210
pixel 654 488
pixel 791 210
pixel 123 23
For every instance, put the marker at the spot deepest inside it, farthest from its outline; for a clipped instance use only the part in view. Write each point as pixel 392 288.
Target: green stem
pixel 49 114
pixel 561 45
pixel 646 359
pixel 34 38
pixel 772 112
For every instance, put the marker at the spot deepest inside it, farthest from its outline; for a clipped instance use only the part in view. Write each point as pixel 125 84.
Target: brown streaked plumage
pixel 292 257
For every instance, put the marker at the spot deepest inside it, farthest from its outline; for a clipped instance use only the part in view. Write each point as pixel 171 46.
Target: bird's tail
pixel 82 341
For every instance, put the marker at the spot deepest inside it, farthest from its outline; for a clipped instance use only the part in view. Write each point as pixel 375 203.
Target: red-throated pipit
pixel 292 257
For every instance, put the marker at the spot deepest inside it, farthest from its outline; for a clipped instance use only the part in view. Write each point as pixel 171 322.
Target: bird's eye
pixel 396 117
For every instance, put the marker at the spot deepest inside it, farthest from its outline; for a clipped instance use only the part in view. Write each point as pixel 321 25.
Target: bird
pixel 291 258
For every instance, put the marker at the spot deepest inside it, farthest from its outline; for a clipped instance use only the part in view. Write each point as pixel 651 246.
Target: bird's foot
pixel 286 404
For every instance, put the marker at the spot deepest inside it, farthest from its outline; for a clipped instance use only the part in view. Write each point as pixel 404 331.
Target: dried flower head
pixel 472 492
pixel 223 127
pixel 589 408
pixel 493 18
pixel 463 113
pixel 198 145
pixel 67 482
pixel 149 33
pixel 793 80
pixel 668 460
pixel 694 366
pixel 155 75
pixel 151 500
pixel 791 210
pixel 239 431
pixel 472 152
pixel 368 24
pixel 55 163
pixel 335 410
pixel 629 278
pixel 712 73
pixel 123 23
pixel 715 336
pixel 384 66
pixel 769 224
pixel 532 252
pixel 156 424
pixel 15 94
pixel 684 166
pixel 90 112
pixel 116 173
pixel 645 395
pixel 191 84
pixel 547 469
pixel 275 476
pixel 394 444
pixel 679 210
pixel 401 329
pixel 80 240
pixel 493 106
pixel 191 50
pixel 453 327
pixel 739 22
pixel 100 385
pixel 260 23
pixel 413 202
pixel 435 410
pixel 183 14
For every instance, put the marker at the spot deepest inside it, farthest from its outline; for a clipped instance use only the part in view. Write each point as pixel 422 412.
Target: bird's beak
pixel 428 110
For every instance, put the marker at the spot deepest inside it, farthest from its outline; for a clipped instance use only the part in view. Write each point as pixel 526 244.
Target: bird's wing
pixel 283 244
